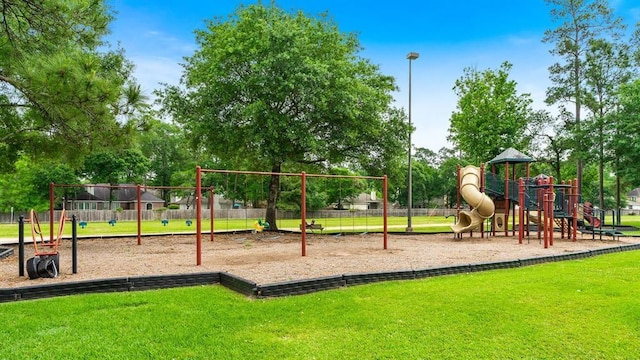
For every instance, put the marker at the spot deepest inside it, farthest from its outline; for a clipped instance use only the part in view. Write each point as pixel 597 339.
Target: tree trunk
pixel 557 169
pixel 601 174
pixel 274 188
pixel 578 98
pixel 617 209
pixel 618 186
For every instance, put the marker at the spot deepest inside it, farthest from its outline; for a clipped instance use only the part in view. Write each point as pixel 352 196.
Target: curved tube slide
pixel 483 206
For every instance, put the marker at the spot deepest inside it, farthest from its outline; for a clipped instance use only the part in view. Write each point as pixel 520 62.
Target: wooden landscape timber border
pixel 5 252
pixel 289 288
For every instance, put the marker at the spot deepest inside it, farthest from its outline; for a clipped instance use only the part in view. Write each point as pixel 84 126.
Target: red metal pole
pixel 521 211
pixel 482 190
pixel 211 199
pixel 562 219
pixel 574 186
pixel 198 216
pixel 540 207
pixel 139 215
pixel 506 199
pixel 511 203
pixel 552 199
pixel 545 205
pixel 384 209
pixel 458 235
pixel 303 202
pixel 51 213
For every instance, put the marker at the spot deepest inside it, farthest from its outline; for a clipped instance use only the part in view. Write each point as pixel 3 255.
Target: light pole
pixel 411 56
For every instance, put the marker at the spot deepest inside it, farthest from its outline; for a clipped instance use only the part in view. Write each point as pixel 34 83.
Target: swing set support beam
pixel 303 178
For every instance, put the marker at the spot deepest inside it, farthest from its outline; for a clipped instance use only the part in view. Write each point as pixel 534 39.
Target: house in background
pixel 188 202
pixel 98 196
pixel 364 201
pixel 633 199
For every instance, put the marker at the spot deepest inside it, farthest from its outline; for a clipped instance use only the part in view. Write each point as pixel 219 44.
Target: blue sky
pixel 449 36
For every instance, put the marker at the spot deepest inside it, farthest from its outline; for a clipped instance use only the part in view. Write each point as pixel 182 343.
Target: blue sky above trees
pixel 448 35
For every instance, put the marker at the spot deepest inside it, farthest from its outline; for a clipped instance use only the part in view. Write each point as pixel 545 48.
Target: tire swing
pixel 46 260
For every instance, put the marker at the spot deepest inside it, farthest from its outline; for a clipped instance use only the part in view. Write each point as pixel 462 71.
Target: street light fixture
pixel 411 56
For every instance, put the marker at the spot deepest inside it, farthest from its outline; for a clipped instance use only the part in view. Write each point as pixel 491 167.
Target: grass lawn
pixel 347 223
pixel 582 309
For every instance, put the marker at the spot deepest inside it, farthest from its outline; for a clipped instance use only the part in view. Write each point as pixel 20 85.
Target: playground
pixel 267 257
pixel 275 257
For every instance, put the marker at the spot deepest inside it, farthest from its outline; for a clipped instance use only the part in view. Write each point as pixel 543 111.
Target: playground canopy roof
pixel 511 155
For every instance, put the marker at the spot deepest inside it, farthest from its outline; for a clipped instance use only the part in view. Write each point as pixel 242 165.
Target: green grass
pixel 347 223
pixel 583 309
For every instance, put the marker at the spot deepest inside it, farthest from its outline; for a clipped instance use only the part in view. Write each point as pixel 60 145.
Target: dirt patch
pixel 268 258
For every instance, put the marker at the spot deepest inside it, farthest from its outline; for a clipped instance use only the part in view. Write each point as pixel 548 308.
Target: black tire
pixel 32 267
pixel 47 267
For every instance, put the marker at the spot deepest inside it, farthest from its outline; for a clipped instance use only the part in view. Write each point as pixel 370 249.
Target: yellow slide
pixel 483 206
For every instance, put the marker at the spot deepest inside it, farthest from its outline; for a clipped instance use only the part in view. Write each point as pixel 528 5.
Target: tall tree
pixel 115 167
pixel 447 177
pixel 281 88
pixel 339 190
pixel 626 144
pixel 28 186
pixel 426 183
pixel 607 67
pixel 63 88
pixel 164 145
pixel 581 21
pixel 490 116
pixel 551 147
pixel 635 44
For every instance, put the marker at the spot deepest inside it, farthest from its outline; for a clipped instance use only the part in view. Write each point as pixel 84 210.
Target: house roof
pixel 634 192
pixel 85 196
pixel 189 200
pixel 101 192
pixel 511 155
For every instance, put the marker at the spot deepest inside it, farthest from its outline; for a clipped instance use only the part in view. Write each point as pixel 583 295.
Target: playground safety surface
pixel 268 258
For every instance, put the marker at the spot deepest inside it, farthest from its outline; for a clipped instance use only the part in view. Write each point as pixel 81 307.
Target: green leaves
pixel 282 87
pixel 491 116
pixel 65 90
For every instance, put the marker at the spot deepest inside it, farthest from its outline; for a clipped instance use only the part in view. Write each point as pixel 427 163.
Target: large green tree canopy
pixel 626 135
pixel 58 81
pixel 281 88
pixel 491 116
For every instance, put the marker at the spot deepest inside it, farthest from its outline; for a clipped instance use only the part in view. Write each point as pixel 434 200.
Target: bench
pixel 313 226
pixel 600 231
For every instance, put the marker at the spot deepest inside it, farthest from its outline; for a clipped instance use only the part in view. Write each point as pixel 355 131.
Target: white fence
pixel 132 215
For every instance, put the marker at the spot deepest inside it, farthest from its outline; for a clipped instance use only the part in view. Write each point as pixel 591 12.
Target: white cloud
pixel 153 70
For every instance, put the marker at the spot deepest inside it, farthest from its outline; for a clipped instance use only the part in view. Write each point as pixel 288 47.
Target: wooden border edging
pixel 5 252
pixel 288 288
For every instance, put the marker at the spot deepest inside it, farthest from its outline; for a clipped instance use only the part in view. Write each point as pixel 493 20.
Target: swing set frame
pixel 303 178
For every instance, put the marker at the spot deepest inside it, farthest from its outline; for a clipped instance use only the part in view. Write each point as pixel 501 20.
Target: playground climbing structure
pixel 541 205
